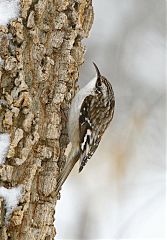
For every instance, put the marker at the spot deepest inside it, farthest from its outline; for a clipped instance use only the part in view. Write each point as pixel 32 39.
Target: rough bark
pixel 41 53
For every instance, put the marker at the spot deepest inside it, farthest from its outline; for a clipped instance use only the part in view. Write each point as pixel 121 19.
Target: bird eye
pixel 98 83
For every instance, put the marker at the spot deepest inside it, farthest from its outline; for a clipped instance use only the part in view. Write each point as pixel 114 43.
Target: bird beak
pixel 97 70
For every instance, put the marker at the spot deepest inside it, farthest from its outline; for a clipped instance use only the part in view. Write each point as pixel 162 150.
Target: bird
pixel 91 111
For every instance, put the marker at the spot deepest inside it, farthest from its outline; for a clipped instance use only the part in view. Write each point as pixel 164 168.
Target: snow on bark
pixel 11 197
pixel 9 9
pixel 4 146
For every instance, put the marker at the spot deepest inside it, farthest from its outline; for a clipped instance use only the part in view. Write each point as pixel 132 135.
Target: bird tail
pixel 72 159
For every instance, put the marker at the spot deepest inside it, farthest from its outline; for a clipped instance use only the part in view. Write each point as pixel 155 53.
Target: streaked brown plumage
pixel 91 112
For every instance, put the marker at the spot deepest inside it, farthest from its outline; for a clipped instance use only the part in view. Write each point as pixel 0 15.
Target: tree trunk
pixel 41 52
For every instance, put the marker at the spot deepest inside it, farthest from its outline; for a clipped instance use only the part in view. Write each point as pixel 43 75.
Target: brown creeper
pixel 91 112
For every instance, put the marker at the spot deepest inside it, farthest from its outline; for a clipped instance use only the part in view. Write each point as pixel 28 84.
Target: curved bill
pixel 97 70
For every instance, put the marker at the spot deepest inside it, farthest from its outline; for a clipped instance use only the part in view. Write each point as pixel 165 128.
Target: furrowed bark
pixel 41 52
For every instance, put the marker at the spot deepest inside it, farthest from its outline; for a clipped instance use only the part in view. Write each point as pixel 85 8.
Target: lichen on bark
pixel 41 52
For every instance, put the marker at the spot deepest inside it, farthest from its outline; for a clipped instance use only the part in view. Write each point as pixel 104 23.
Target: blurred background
pixel 121 191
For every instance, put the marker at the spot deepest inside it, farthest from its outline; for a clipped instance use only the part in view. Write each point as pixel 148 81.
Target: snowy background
pixel 121 191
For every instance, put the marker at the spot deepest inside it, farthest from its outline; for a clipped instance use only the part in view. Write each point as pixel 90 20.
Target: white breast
pixel 73 123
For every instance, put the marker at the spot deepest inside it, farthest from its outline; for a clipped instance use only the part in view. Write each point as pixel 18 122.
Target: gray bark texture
pixel 41 53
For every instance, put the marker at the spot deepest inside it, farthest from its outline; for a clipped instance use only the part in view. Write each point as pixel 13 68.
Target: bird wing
pixel 89 139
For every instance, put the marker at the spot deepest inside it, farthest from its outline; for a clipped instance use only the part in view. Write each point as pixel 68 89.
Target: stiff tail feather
pixel 66 170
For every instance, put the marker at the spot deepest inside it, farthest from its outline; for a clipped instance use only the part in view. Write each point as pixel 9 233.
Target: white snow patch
pixel 11 197
pixel 4 146
pixel 1 61
pixel 9 9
